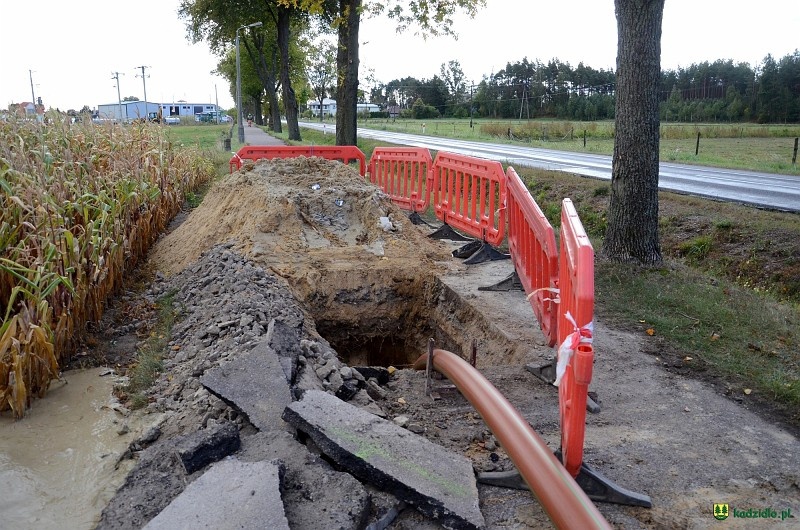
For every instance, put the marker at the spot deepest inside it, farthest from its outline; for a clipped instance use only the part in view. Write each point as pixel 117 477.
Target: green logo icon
pixel 720 511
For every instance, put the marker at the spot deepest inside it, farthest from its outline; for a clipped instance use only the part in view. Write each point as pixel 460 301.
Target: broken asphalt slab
pixel 314 494
pixel 439 483
pixel 231 494
pixel 255 383
pixel 162 473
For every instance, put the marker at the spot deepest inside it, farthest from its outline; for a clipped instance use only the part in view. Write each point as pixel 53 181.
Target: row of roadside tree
pixel 705 92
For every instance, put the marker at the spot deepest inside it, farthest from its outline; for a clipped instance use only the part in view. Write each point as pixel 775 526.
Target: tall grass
pixel 81 204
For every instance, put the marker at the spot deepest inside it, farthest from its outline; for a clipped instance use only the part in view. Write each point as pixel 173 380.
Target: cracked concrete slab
pixel 438 482
pixel 254 383
pixel 231 494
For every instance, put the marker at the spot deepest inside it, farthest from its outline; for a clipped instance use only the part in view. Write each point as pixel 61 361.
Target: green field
pixel 204 136
pixel 767 148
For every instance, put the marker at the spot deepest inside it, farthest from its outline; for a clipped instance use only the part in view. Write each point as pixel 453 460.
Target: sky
pixel 71 49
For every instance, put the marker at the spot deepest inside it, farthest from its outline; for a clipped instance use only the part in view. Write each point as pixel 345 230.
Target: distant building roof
pixel 28 107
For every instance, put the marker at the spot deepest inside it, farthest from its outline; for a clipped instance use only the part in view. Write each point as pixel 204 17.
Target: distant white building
pixel 126 110
pixel 134 110
pixel 367 107
pixel 329 107
pixel 182 108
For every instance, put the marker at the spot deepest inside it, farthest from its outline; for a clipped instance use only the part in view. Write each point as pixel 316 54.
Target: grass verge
pixel 716 330
pixel 203 136
pixel 150 356
pixel 724 307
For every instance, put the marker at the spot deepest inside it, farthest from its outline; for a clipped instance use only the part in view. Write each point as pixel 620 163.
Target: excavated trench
pixel 390 323
pixel 385 326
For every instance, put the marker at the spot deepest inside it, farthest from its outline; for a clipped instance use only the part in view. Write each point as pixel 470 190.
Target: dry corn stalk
pixel 80 204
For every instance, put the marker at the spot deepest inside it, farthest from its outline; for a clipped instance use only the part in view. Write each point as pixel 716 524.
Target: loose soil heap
pixel 318 224
pixel 306 257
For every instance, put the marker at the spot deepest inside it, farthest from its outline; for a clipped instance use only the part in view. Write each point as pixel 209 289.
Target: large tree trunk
pixel 274 110
pixel 257 104
pixel 266 74
pixel 347 72
pixel 289 99
pixel 632 233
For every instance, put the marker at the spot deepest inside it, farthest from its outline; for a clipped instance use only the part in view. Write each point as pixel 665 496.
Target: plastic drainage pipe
pixel 564 501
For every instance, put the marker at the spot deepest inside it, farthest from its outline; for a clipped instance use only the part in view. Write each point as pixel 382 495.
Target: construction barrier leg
pixel 596 486
pixel 485 253
pixel 416 219
pixel 446 232
pixel 467 250
pixel 509 283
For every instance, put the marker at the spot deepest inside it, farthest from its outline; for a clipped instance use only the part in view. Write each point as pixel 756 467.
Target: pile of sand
pixel 291 213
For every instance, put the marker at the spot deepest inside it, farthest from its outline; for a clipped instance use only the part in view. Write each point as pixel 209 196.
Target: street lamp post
pixel 239 81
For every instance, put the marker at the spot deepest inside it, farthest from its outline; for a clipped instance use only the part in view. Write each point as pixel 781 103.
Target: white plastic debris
pixel 386 224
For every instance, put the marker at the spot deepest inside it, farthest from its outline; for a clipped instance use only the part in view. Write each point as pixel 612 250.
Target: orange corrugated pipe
pixel 564 501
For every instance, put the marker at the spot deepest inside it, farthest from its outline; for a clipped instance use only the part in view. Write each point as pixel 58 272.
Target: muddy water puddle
pixel 57 464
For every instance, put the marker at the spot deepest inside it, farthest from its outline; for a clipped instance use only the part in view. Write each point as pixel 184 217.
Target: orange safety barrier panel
pixel 405 174
pixel 532 245
pixel 470 194
pixel 342 153
pixel 575 353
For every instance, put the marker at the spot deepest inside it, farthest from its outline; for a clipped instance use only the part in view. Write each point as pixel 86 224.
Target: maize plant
pixel 81 205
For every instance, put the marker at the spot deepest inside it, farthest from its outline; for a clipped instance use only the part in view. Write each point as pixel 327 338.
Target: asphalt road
pixel 766 190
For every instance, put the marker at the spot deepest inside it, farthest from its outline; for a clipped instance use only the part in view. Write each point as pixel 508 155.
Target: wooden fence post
pixel 794 154
pixel 697 147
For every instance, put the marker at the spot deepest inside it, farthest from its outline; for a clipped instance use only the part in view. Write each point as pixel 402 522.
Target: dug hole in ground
pixel 293 252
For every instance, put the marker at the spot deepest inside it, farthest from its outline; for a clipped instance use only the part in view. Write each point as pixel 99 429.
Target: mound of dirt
pixel 289 214
pixel 351 257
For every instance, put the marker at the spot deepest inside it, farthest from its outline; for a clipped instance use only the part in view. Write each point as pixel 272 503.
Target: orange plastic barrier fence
pixel 576 283
pixel 470 194
pixel 532 244
pixel 342 153
pixel 405 174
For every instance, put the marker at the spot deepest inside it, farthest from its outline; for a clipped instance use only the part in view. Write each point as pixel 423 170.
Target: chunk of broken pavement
pixel 438 482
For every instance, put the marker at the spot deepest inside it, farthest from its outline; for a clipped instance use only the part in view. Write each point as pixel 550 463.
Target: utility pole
pixel 144 86
pixel 33 96
pixel 115 76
